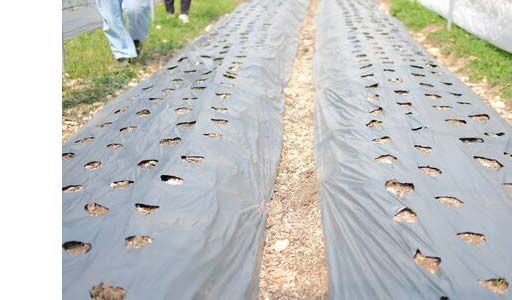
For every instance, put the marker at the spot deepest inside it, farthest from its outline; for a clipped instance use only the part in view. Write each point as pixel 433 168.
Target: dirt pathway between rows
pixel 294 263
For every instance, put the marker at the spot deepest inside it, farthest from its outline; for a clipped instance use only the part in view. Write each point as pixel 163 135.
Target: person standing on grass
pixel 184 7
pixel 125 44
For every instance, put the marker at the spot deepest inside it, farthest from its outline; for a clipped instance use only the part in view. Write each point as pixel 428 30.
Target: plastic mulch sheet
pixel 415 171
pixel 164 191
pixel 82 18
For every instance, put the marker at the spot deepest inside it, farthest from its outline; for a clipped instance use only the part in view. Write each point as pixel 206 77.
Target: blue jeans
pixel 120 39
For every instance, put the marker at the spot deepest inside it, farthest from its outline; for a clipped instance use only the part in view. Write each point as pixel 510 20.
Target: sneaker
pixel 138 47
pixel 123 61
pixel 183 18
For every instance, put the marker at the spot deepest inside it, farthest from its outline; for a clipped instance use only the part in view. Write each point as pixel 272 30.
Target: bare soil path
pixel 294 262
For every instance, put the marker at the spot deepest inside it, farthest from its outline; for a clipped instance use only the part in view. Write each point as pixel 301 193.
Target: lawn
pixel 90 71
pixel 491 63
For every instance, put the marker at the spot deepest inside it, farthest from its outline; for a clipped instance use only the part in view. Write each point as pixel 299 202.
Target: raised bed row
pixel 415 170
pixel 164 190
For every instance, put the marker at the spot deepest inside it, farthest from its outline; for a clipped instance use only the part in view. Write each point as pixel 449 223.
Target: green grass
pixel 491 63
pixel 89 61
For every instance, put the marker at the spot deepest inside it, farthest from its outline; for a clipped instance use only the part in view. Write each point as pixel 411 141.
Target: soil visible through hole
pixel 106 291
pixel 294 263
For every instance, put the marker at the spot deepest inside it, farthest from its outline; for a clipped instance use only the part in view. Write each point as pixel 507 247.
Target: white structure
pixel 490 20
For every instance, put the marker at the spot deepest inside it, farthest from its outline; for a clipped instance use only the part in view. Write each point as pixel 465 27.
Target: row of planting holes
pixel 76 248
pixel 399 189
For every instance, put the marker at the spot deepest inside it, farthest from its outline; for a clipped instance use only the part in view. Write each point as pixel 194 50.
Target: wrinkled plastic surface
pixel 70 4
pixel 82 18
pixel 208 231
pixel 369 255
pixel 490 20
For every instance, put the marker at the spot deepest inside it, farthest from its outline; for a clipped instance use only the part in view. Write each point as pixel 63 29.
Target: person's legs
pixel 121 43
pixel 169 6
pixel 137 12
pixel 185 6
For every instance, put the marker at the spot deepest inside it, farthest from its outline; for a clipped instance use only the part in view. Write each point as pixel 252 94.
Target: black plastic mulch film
pixel 83 17
pixel 413 167
pixel 164 190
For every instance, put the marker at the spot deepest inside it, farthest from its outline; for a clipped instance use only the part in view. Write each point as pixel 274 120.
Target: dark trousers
pixel 185 6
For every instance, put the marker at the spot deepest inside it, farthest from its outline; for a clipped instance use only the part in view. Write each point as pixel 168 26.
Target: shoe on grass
pixel 123 61
pixel 138 47
pixel 183 18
